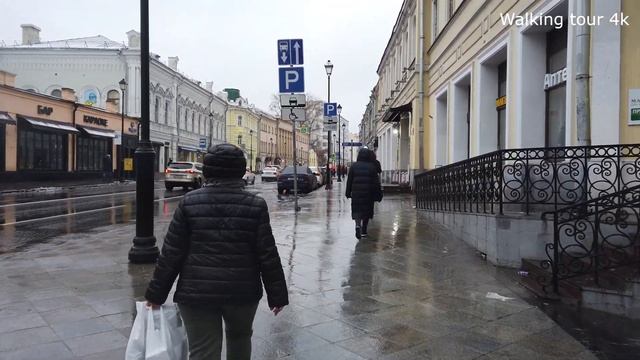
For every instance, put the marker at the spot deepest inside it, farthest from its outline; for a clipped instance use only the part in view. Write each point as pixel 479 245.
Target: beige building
pixel 43 137
pixel 496 85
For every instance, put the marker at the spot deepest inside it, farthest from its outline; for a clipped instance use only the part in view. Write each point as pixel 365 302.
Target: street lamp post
pixel 338 146
pixel 123 89
pixel 342 153
pixel 210 129
pixel 329 69
pixel 271 151
pixel 251 150
pixel 144 249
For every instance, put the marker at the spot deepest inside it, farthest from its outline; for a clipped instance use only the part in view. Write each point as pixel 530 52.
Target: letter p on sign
pixel 291 79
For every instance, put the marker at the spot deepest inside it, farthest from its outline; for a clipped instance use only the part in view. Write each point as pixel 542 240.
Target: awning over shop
pixel 96 132
pixel 393 114
pixel 48 125
pixel 5 118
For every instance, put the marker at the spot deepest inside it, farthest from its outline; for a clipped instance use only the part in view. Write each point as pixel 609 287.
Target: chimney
pixel 173 62
pixel 134 39
pixel 30 34
pixel 68 94
pixel 7 78
pixel 209 86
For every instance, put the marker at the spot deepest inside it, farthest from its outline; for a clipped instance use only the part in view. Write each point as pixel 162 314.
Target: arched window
pixel 56 93
pixel 113 96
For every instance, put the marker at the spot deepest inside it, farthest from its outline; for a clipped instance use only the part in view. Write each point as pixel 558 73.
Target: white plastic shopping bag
pixel 160 335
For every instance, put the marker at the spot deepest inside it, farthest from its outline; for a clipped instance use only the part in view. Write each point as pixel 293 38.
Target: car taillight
pixel 167 171
pixel 190 171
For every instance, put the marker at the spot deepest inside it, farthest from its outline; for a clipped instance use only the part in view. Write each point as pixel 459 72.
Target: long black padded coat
pixel 220 244
pixel 363 186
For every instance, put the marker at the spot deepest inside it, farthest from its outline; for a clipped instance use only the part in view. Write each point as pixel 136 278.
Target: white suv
pixel 270 173
pixel 183 173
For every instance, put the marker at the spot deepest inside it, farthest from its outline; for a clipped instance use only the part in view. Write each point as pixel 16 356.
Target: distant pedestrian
pixel 363 188
pixel 169 162
pixel 220 245
pixel 107 167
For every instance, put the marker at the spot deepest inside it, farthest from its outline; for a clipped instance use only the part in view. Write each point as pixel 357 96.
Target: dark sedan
pixel 307 181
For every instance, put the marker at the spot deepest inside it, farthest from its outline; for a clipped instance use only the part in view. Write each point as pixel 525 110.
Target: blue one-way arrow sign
pixel 290 52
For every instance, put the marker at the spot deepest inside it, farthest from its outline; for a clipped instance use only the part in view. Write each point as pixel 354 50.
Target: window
pixel 239 120
pixel 91 152
pixel 193 121
pixel 166 112
pixel 178 116
pixel 186 115
pixel 38 150
pixel 239 139
pixel 113 96
pixel 451 8
pixel 156 110
pixel 199 123
pixel 56 93
pixel 434 16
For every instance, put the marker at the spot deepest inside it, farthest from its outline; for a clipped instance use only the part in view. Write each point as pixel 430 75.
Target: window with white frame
pixel 166 112
pixel 156 110
pixel 434 16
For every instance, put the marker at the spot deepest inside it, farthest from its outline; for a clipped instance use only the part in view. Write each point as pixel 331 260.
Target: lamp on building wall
pixel 123 89
pixel 328 67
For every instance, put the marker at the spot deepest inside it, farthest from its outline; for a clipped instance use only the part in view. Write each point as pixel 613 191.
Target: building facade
pixel 185 116
pixel 516 85
pixel 242 130
pixel 44 137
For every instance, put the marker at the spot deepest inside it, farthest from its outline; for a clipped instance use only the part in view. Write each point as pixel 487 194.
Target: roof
pixel 90 42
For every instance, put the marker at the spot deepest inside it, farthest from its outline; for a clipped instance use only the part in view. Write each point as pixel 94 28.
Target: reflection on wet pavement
pixel 409 291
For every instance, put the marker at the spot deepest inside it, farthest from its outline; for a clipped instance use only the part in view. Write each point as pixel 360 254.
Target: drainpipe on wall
pixel 583 59
pixel 421 86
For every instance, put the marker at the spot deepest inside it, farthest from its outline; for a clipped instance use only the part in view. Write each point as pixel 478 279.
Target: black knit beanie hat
pixel 224 161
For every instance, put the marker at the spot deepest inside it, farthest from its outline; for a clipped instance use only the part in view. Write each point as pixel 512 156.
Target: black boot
pixel 358 236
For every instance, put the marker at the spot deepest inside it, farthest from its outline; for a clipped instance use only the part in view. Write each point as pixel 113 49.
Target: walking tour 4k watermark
pixel 559 21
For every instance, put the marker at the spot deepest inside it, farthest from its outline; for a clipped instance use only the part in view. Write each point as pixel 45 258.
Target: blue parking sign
pixel 291 79
pixel 330 109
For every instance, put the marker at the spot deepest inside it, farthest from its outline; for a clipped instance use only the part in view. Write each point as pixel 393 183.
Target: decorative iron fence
pixel 593 236
pixel 399 177
pixel 533 179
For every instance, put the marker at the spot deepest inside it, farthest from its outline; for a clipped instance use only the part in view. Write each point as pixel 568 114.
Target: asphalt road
pixel 34 217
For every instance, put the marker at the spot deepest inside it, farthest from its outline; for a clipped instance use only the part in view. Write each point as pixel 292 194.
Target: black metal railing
pixel 526 180
pixel 593 236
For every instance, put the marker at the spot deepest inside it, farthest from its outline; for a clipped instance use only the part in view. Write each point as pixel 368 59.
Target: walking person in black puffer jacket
pixel 220 245
pixel 363 188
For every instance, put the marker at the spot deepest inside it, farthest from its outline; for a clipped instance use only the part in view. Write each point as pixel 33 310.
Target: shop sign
pixel 634 106
pixel 555 79
pixel 44 110
pixel 117 140
pixel 128 164
pixel 95 120
pixel 501 102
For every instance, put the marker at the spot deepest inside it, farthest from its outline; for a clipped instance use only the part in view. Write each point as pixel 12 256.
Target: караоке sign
pixel 634 106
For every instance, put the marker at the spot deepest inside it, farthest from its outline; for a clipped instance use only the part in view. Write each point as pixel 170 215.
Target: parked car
pixel 317 171
pixel 307 181
pixel 270 173
pixel 183 173
pixel 249 177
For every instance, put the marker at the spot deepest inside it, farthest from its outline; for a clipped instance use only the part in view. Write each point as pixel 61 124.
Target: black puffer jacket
pixel 363 186
pixel 220 243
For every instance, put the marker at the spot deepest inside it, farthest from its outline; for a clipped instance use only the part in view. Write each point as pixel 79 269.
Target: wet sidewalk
pixel 409 291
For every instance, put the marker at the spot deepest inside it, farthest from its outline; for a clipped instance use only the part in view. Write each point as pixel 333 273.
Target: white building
pixel 184 115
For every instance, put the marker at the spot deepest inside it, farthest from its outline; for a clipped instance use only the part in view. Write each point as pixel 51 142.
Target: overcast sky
pixel 233 43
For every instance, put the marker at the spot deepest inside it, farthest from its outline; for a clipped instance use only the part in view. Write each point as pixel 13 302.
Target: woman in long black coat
pixel 363 188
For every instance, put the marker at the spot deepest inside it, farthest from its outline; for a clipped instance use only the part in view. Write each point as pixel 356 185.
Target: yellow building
pixel 242 130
